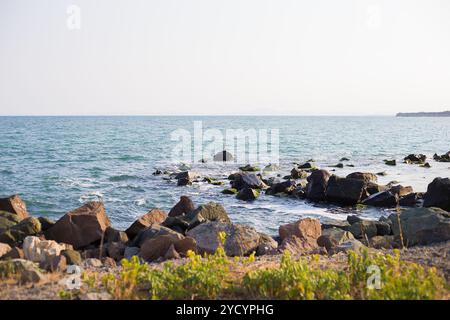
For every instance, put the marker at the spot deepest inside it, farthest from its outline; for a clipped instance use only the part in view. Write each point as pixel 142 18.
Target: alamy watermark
pixel 255 146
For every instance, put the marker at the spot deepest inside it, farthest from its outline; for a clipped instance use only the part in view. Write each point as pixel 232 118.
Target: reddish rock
pixel 14 205
pixel 304 228
pixel 296 245
pixel 184 206
pixel 153 216
pixel 157 247
pixel 81 226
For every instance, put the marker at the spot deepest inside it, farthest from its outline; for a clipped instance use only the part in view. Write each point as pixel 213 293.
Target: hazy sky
pixel 224 57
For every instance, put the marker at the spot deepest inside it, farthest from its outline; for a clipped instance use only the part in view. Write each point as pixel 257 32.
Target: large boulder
pixel 364 176
pixel 184 206
pixel 438 194
pixel 304 228
pixel 346 191
pixel 38 250
pixel 157 247
pixel 385 199
pixel 153 231
pixel 247 180
pixel 154 216
pixel 422 226
pixel 81 226
pixel 411 200
pixel 287 186
pixel 364 228
pixel 186 177
pixel 223 156
pixel 240 240
pixel 14 204
pixel 415 159
pixel 317 185
pixel 248 194
pixel 18 232
pixel 296 245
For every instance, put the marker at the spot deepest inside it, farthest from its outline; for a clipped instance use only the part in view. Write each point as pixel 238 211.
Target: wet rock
pixel 383 228
pixel 442 158
pixel 4 249
pixel 385 199
pixel 229 191
pixel 247 180
pixel 18 232
pixel 271 168
pixel 297 173
pixel 364 176
pixel 317 185
pixel 351 219
pixel 400 190
pixel 15 205
pixel 333 237
pixel 154 216
pixel 38 250
pixel 425 165
pixel 339 165
pixel 248 194
pixel 415 159
pixel 422 226
pixel 382 173
pixel 412 199
pixel 223 156
pixel 344 159
pixel 81 226
pixel 240 240
pixel 390 162
pixel 306 165
pixel 72 257
pixel 25 270
pixel 249 168
pixel 304 228
pixel 287 187
pixel 373 188
pixel 438 194
pixel 345 191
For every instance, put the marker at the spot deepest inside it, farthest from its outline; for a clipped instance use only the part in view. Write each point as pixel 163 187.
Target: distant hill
pixel 424 114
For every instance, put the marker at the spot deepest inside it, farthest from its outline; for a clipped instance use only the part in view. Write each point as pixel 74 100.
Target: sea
pixel 58 163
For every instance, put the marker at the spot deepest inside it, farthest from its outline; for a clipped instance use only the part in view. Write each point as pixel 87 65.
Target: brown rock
pixel 116 250
pixel 54 263
pixel 184 245
pixel 157 247
pixel 109 262
pixel 114 235
pixel 14 205
pixel 171 253
pixel 296 245
pixel 153 216
pixel 14 253
pixel 81 226
pixel 304 228
pixel 184 206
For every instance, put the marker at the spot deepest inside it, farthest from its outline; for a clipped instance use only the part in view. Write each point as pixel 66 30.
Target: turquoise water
pixel 57 163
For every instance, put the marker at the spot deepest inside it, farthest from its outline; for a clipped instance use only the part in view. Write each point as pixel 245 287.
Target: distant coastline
pixel 424 114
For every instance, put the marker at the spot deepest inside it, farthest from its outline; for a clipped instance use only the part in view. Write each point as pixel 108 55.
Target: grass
pixel 215 277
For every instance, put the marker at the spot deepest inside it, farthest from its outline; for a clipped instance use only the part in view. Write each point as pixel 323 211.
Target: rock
pixel 364 176
pixel 333 237
pixel 382 173
pixel 18 232
pixel 364 228
pixel 298 174
pixel 154 216
pixel 344 159
pixel 14 253
pixel 345 191
pixel 229 191
pixel 46 223
pixel 109 262
pixel 304 228
pixel 114 235
pixel 339 165
pixel 247 180
pixel 25 270
pixel 442 158
pixel 415 158
pixel 385 199
pixel 152 232
pixel 400 190
pixel 15 205
pixel 93 263
pixel 271 168
pixel 353 219
pixel 8 220
pixel 184 206
pixel 38 250
pixel 411 200
pixel 154 248
pixel 223 156
pixel 349 245
pixel 383 242
pixel 72 257
pixel 157 172
pixel 422 226
pixel 248 194
pixel 130 252
pixel 116 250
pixel 334 223
pixel 383 228
pixel 171 253
pixel 4 249
pixel 267 245
pixel 306 165
pixel 287 187
pixel 249 168
pixel 438 194
pixel 81 226
pixel 211 211
pixel 240 240
pixel 296 245
pixel 54 263
pixel 390 162
pixel 373 188
pixel 95 252
pixel 186 178
pixel 184 245
pixel 425 165
pixel 317 185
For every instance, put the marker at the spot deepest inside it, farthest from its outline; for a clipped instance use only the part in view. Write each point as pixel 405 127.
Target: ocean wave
pixel 91 196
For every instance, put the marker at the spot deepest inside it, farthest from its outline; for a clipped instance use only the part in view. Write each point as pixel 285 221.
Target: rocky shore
pixel 36 252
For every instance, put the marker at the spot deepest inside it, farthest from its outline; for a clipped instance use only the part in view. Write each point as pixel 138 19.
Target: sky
pixel 227 57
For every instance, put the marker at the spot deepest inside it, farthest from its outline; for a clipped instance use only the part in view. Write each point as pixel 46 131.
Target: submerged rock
pixel 382 199
pixel 390 162
pixel 415 159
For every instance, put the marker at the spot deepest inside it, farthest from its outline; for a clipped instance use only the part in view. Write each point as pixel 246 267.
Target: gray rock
pixel 131 252
pixel 438 194
pixel 25 270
